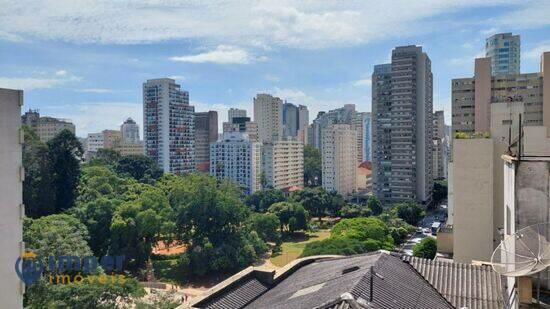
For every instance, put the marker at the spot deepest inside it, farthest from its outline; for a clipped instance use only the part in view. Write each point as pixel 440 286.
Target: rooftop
pixel 344 282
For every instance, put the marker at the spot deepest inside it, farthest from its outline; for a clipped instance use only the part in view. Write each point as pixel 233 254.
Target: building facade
pixel 367 137
pixel 402 127
pixel 236 158
pixel 268 114
pixel 283 164
pixel 130 131
pixel 235 112
pixel 343 115
pixel 244 125
pixel 46 127
pixel 303 124
pixel 504 51
pixel 290 120
pixel 339 159
pixel 11 197
pixel 169 127
pixel 206 132
pixel 439 146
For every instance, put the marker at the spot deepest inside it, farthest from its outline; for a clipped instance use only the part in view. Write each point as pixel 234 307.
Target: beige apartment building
pixel 11 197
pixel 339 159
pixel 268 114
pixel 46 127
pixel 283 164
pixel 248 127
pixel 129 149
pixel 486 110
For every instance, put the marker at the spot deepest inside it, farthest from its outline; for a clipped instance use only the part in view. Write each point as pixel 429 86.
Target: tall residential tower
pixel 504 51
pixel 169 128
pixel 402 127
pixel 268 114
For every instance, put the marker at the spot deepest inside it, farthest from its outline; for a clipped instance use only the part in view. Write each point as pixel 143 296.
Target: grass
pixel 293 246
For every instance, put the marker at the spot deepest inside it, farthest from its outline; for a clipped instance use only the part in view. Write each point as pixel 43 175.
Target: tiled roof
pixel 237 296
pixel 322 282
pixel 463 285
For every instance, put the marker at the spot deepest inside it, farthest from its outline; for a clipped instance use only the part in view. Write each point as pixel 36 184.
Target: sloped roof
pixel 322 282
pixel 237 296
pixel 463 285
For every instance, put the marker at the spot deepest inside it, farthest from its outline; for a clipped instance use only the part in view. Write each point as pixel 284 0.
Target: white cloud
pixel 257 24
pixel 536 52
pixel 41 81
pixel 223 54
pixel 61 73
pixel 94 90
pixel 366 82
pixel 271 77
pixel 177 77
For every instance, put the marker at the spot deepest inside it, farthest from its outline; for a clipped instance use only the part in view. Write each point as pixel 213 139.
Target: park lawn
pixel 291 249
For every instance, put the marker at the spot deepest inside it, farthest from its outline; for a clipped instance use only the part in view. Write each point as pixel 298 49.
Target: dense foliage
pixel 411 212
pixel 440 191
pixel 426 248
pixel 312 166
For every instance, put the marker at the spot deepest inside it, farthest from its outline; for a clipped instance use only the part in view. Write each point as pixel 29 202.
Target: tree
pixel 315 200
pixel 56 235
pixel 312 166
pixel 337 246
pixel 291 215
pixel 261 200
pixel 43 294
pixel 335 202
pixel 106 156
pixel 411 212
pixel 440 191
pixel 354 211
pixel 210 219
pixel 426 248
pixel 265 225
pixel 65 153
pixel 38 191
pixel 398 234
pixel 362 229
pixel 374 205
pixel 139 167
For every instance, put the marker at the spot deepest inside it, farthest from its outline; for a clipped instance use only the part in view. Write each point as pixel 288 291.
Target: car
pixel 419 230
pixel 427 230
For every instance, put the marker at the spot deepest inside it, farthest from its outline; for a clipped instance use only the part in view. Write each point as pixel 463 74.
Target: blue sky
pixel 87 60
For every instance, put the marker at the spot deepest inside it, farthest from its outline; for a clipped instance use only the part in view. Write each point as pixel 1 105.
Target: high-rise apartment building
pixel 236 158
pixel 339 159
pixel 169 127
pixel 244 125
pixel 358 124
pixel 206 132
pixel 268 114
pixel 235 112
pixel 11 197
pixel 367 137
pixel 283 164
pixel 46 127
pixel 504 51
pixel 486 113
pixel 439 146
pixel 290 119
pixel 303 124
pixel 130 131
pixel 343 115
pixel 402 127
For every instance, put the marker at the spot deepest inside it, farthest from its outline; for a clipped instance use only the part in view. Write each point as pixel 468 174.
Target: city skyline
pixel 323 61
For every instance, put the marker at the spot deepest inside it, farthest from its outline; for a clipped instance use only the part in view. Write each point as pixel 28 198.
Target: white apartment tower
pixel 236 158
pixel 11 197
pixel 268 114
pixel 169 129
pixel 402 127
pixel 283 164
pixel 339 159
pixel 130 131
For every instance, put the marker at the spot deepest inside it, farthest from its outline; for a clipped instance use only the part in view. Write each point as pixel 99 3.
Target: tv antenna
pixel 523 253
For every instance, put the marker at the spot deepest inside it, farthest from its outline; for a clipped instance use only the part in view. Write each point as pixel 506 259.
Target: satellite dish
pixel 523 253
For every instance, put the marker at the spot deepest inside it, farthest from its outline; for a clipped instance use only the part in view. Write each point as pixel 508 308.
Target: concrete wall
pixel 11 197
pixel 482 94
pixel 473 199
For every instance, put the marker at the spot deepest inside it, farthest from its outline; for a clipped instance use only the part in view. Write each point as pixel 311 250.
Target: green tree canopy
pixel 440 191
pixel 140 167
pixel 361 229
pixel 411 212
pixel 374 205
pixel 56 235
pixel 339 246
pixel 292 216
pixel 426 248
pixel 312 166
pixel 261 200
pixel 38 189
pixel 315 200
pixel 265 225
pixel 65 153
